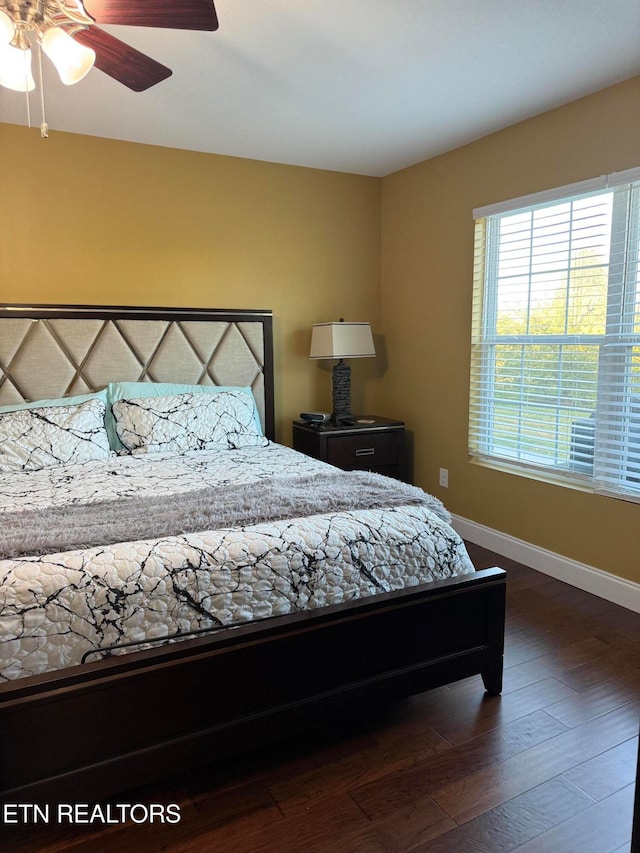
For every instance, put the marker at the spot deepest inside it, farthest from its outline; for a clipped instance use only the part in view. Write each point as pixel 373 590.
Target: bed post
pixel 492 670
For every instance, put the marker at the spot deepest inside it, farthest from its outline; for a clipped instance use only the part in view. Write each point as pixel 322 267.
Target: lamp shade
pixel 72 60
pixel 15 69
pixel 342 340
pixel 7 29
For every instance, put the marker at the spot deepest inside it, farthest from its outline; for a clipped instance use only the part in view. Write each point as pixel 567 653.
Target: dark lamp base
pixel 341 393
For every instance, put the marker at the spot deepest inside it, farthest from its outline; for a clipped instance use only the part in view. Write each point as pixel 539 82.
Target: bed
pixel 304 593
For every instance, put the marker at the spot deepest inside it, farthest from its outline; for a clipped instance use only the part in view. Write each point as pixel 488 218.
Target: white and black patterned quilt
pixel 56 607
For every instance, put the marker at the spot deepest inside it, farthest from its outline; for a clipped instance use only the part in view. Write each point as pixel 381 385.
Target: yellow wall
pixel 96 221
pixel 427 253
pixel 91 220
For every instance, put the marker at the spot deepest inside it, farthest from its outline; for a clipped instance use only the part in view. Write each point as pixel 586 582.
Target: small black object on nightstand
pixel 315 417
pixel 369 443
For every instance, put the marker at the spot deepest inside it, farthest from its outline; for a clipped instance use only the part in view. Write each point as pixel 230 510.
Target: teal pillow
pixel 57 401
pixel 133 390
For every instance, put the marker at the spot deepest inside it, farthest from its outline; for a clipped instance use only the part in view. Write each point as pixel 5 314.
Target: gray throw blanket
pixel 67 528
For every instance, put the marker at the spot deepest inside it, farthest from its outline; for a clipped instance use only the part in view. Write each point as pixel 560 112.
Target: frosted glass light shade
pixel 7 29
pixel 15 69
pixel 73 61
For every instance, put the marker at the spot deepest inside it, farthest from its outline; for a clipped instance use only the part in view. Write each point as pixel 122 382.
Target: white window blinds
pixel 555 373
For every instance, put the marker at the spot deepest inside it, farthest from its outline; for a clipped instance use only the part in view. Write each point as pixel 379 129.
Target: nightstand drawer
pixel 369 450
pixel 371 443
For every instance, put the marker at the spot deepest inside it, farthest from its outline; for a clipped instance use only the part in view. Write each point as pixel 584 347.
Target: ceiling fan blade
pixel 121 61
pixel 184 15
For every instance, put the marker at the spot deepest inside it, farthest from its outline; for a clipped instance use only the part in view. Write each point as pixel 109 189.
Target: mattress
pixel 54 608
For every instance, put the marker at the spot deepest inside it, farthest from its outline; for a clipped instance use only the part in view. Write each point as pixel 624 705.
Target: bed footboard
pixel 98 729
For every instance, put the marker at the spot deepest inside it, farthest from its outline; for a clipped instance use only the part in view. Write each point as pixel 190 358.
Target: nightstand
pixel 370 444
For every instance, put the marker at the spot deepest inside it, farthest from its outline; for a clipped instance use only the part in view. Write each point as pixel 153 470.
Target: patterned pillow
pixel 136 390
pixel 53 435
pixel 179 422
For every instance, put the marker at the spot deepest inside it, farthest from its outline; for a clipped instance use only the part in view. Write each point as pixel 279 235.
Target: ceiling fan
pixel 67 32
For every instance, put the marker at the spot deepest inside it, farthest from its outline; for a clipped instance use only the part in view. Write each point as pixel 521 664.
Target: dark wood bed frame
pixel 87 732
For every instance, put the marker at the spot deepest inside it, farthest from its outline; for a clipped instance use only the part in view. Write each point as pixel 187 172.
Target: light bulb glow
pixel 15 69
pixel 7 29
pixel 71 59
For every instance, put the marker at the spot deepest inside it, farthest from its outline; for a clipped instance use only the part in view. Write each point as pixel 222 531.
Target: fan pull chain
pixel 44 127
pixel 26 90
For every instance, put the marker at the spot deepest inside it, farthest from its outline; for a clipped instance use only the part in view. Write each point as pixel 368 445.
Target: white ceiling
pixel 364 86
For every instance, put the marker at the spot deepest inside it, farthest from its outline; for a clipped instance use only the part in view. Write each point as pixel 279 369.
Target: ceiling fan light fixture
pixel 72 60
pixel 7 28
pixel 68 34
pixel 15 69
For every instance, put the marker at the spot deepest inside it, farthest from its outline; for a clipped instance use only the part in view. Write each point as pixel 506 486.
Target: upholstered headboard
pixel 55 350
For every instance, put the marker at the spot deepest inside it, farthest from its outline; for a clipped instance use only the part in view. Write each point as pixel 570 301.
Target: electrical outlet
pixel 444 478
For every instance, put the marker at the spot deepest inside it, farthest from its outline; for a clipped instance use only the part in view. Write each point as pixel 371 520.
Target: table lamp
pixel 341 340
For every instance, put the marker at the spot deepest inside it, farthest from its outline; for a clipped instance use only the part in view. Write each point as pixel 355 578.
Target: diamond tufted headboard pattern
pixel 57 350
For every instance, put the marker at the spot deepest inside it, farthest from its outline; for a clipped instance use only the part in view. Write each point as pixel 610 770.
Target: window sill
pixel 553 479
pixel 531 474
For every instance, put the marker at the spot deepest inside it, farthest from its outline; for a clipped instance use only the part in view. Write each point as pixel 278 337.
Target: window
pixel 555 373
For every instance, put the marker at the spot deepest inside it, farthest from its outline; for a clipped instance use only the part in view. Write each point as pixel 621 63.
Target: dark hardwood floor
pixel 548 767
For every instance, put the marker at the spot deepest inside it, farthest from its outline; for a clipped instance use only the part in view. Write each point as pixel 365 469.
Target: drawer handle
pixel 365 451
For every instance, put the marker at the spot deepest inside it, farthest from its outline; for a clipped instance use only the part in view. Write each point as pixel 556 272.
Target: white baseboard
pixel 605 585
